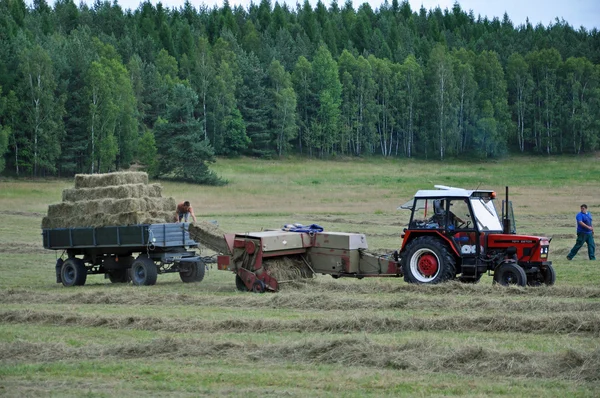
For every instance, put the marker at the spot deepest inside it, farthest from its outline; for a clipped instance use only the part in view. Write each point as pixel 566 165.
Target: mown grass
pixel 323 337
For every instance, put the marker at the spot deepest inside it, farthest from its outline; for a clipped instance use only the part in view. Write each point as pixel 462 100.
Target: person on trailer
pixel 183 212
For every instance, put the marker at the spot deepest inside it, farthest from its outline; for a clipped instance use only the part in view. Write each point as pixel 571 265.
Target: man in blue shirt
pixel 585 234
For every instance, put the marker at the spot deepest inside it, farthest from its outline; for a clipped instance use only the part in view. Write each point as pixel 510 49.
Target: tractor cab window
pixel 459 215
pixel 424 214
pixel 451 215
pixel 485 214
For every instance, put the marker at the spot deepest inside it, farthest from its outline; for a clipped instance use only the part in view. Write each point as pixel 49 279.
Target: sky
pixel 576 12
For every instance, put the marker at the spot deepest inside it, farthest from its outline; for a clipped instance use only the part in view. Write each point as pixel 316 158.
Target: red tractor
pixel 455 232
pixel 452 233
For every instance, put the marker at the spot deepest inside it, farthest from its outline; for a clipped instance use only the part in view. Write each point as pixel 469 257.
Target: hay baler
pixel 453 233
pixel 263 260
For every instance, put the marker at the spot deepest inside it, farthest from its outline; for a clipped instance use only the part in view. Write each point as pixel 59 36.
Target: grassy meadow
pixel 320 337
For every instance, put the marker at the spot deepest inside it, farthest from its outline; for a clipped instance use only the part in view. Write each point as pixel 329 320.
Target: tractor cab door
pixel 461 228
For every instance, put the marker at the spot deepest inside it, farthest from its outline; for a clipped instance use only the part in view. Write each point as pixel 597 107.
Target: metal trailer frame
pixel 160 248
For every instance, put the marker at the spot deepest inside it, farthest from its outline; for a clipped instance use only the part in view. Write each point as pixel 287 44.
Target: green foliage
pixel 183 153
pixel 147 153
pixel 394 82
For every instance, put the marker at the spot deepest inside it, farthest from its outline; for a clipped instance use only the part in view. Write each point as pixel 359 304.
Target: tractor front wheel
pixel 510 274
pixel 428 261
pixel 549 275
pixel 545 276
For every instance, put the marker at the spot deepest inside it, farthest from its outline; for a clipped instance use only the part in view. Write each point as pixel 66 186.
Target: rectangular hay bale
pixel 113 192
pixel 108 179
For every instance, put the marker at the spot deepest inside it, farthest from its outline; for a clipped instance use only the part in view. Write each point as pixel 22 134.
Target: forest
pixel 87 89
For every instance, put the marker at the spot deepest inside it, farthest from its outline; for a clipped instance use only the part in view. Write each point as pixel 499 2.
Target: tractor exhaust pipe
pixel 505 218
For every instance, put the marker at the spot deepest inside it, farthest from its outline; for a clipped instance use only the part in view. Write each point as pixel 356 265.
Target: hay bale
pixel 109 206
pixel 99 200
pixel 210 235
pixel 108 179
pixel 112 192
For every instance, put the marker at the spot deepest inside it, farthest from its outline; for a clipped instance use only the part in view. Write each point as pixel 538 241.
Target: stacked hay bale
pixel 122 198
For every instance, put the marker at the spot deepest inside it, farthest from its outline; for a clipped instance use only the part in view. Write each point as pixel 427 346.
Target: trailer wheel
pixel 119 275
pixel 73 272
pixel 510 274
pixel 143 272
pixel 427 260
pixel 192 271
pixel 239 284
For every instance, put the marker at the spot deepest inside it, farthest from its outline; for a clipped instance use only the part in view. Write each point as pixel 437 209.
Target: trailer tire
pixel 239 284
pixel 143 271
pixel 73 272
pixel 428 261
pixel 119 275
pixel 194 272
pixel 510 273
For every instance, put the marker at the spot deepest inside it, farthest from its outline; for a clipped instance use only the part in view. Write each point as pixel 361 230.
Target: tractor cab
pixel 467 231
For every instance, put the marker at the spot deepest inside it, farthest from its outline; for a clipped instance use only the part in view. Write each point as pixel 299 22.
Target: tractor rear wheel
pixel 143 271
pixel 73 272
pixel 510 273
pixel 428 261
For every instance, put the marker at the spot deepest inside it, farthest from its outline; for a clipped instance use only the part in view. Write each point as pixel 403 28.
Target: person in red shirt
pixel 183 212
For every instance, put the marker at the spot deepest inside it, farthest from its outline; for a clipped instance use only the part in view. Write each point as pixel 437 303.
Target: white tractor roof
pixel 443 191
pixel 451 192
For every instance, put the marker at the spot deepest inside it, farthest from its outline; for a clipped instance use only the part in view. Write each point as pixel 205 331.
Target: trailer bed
pixel 135 237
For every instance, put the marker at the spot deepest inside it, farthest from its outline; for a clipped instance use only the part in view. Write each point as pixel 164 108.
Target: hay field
pixel 322 337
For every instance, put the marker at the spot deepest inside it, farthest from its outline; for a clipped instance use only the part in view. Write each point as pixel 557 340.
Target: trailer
pixel 136 253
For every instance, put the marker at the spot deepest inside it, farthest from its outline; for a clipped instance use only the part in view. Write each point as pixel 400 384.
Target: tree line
pixel 87 89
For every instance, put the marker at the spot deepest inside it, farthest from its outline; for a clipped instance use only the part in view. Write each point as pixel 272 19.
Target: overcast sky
pixel 576 12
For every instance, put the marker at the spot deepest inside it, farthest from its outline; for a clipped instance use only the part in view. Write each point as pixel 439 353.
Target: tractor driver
pixel 183 212
pixel 454 221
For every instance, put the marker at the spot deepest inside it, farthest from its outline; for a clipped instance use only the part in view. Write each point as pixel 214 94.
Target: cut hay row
pixel 102 220
pixel 108 179
pixel 420 356
pixel 112 192
pixel 111 206
pixel 309 301
pixel 452 287
pixel 209 235
pixel 586 324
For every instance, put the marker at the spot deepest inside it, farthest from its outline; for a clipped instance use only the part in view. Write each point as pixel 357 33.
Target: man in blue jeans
pixel 585 234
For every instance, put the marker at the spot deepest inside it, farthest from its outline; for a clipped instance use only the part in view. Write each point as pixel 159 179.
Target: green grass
pixel 330 338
